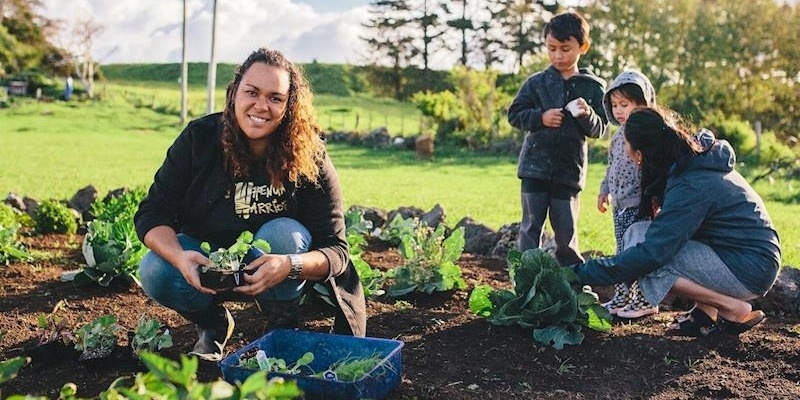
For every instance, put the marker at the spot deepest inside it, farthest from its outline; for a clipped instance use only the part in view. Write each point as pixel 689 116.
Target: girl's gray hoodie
pixel 621 180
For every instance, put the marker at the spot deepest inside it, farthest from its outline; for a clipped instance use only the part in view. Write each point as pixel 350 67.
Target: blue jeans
pixel 164 283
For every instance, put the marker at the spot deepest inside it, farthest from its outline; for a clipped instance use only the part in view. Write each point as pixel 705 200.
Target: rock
pixel 784 298
pixel 379 138
pixel 405 212
pixel 373 214
pixel 82 201
pixel 478 238
pixel 507 240
pixel 119 192
pixel 434 217
pixel 13 200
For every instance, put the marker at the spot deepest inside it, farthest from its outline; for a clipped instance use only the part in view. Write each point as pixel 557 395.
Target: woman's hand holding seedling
pixel 263 273
pixel 187 263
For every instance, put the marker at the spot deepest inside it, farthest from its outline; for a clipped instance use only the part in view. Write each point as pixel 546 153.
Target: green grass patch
pixel 50 150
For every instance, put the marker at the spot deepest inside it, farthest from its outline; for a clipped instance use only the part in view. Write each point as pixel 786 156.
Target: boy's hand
pixel 602 203
pixel 579 107
pixel 552 118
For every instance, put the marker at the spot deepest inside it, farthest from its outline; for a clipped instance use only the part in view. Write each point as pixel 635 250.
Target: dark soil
pixel 448 352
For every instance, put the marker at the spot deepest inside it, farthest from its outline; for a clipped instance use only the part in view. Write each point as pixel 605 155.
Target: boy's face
pixel 622 107
pixel 565 55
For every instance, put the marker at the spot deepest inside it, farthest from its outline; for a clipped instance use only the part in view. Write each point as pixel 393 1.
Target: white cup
pixel 573 108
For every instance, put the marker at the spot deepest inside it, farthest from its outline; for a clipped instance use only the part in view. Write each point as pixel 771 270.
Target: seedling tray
pixel 327 348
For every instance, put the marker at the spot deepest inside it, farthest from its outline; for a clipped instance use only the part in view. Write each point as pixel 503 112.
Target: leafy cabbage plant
pixel 111 248
pixel 429 262
pixel 546 298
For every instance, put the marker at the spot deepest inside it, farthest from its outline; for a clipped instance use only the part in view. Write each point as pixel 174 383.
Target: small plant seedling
pixel 98 338
pixel 227 262
pixel 149 334
pixel 252 360
pixel 351 369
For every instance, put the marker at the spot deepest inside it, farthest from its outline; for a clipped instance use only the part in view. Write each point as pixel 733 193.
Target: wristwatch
pixel 297 266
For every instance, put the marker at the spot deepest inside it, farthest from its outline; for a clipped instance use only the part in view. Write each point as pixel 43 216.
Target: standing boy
pixel 557 109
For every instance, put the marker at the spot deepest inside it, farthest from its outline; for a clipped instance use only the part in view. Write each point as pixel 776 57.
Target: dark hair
pixel 295 148
pixel 567 24
pixel 630 91
pixel 666 145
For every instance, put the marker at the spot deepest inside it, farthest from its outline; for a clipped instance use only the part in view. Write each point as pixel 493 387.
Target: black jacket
pixel 192 194
pixel 557 154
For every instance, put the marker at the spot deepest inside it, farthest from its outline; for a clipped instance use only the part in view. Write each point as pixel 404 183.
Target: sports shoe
pixel 619 300
pixel 637 306
pixel 213 337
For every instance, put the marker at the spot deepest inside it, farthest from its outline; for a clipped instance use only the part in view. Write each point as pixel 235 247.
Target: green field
pixel 50 150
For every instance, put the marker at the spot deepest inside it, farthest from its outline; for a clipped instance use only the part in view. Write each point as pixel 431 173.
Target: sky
pixel 149 31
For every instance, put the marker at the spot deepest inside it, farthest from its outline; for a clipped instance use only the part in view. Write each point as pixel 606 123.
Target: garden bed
pixel 448 352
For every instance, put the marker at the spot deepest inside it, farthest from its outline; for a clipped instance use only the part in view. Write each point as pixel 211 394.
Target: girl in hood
pixel 621 185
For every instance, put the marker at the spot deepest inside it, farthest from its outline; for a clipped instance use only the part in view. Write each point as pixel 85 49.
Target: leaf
pixel 557 336
pixel 454 245
pixel 10 367
pixel 598 318
pixel 479 302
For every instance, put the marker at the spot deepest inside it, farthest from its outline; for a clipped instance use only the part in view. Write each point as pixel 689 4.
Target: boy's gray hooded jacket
pixel 621 180
pixel 557 154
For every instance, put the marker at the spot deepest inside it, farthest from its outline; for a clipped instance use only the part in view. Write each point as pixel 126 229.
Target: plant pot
pixel 97 358
pixel 219 280
pixel 50 353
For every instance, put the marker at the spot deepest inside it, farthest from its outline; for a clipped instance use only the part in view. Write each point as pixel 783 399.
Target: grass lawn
pixel 50 150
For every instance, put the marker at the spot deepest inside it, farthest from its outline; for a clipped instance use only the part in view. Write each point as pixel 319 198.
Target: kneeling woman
pixel 711 239
pixel 259 166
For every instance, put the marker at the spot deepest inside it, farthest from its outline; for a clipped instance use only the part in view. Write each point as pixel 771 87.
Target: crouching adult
pixel 710 239
pixel 259 166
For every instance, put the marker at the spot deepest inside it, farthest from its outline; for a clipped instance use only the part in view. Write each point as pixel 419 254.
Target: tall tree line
pixel 740 58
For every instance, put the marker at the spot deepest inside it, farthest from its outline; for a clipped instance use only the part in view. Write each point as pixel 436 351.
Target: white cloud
pixel 149 31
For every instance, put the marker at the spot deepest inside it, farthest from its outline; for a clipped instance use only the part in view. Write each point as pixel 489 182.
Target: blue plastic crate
pixel 327 348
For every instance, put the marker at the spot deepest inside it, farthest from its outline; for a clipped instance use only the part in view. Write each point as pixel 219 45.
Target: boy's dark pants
pixel 539 197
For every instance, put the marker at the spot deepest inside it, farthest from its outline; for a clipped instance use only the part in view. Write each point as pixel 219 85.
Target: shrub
pixel 118 207
pixel 53 216
pixel 8 217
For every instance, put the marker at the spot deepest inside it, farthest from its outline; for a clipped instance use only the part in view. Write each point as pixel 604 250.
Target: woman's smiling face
pixel 261 101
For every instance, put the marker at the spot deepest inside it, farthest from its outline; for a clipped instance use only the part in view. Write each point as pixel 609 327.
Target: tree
pixel 391 39
pixel 430 25
pixel 463 25
pixel 522 22
pixel 84 63
pixel 25 43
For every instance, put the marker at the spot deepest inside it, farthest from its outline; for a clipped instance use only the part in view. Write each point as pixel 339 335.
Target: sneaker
pixel 619 300
pixel 211 340
pixel 637 306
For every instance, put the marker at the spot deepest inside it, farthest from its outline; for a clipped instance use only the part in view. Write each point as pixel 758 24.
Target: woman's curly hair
pixel 296 149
